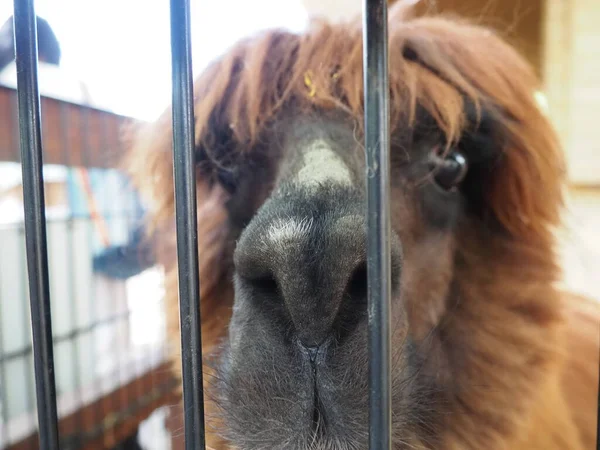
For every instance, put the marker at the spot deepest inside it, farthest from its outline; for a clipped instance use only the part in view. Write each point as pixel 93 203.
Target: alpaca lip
pixel 315 353
pixel 312 353
pixel 318 413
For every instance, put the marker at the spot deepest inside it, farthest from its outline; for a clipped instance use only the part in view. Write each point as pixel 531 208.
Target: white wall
pixel 572 82
pixel 334 9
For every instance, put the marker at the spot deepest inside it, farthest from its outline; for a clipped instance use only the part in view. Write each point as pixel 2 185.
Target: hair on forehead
pixel 436 64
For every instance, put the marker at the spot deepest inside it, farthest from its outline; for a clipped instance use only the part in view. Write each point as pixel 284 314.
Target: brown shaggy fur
pixel 529 354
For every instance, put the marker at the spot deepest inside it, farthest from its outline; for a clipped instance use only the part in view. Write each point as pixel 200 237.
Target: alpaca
pixel 487 351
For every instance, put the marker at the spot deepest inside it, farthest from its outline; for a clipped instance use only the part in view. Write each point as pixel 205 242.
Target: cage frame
pixel 377 174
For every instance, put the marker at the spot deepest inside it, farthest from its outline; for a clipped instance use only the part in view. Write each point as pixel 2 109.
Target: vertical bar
pixel 26 312
pixel 35 220
pixel 377 147
pixel 186 225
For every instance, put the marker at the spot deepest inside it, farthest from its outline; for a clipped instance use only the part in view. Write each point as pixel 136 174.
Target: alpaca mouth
pixel 318 415
pixel 318 408
pixel 306 400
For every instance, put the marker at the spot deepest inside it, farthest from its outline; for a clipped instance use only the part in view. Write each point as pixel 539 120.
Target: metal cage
pixel 376 90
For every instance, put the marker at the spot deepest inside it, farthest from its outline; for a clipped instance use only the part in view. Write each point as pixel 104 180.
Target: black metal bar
pixel 377 148
pixel 22 264
pixel 35 226
pixel 186 225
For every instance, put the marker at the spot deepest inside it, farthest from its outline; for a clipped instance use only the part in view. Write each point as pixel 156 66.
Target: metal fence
pixel 110 362
pixel 378 264
pixel 108 333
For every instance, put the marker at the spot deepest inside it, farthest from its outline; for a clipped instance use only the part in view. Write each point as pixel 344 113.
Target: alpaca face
pixel 294 373
pixel 476 188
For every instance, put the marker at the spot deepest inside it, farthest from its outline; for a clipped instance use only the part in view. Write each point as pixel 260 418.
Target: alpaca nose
pixel 313 268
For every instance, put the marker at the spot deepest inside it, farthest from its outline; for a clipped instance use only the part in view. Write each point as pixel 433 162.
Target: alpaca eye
pixel 448 170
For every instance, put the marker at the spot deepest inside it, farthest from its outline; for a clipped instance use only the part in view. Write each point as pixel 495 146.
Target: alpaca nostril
pixel 307 267
pixel 356 289
pixel 353 305
pixel 266 284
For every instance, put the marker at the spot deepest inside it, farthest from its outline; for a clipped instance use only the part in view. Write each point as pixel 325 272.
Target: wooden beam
pixel 72 134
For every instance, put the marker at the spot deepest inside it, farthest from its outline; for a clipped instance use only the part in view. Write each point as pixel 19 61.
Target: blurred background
pixel 110 66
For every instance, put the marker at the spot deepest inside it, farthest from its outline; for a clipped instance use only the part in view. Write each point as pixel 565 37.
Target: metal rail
pixel 377 148
pixel 186 225
pixel 35 219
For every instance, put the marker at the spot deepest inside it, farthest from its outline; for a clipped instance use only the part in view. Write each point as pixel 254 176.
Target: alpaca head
pixel 475 189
